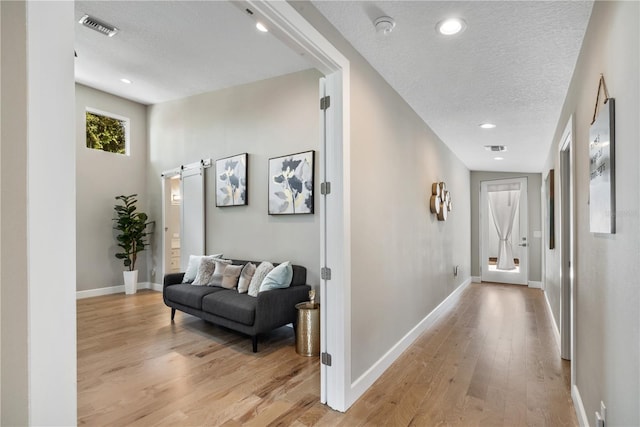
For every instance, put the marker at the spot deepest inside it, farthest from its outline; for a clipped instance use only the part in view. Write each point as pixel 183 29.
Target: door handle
pixel 522 244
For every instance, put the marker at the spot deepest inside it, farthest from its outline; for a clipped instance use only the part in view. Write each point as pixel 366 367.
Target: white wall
pixel 607 355
pixel 38 217
pixel 269 118
pixel 102 176
pixel 402 257
pixel 534 181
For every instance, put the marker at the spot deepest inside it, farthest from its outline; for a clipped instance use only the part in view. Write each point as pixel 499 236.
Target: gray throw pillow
pixel 261 272
pixel 192 267
pixel 246 275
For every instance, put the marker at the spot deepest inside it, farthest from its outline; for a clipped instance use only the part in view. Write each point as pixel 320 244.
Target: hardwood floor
pixel 491 361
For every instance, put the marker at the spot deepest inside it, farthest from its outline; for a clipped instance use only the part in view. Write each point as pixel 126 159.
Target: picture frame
pixel 602 195
pixel 232 183
pixel 291 184
pixel 550 188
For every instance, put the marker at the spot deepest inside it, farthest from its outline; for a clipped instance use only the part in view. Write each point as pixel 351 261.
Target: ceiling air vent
pixel 495 148
pixel 99 26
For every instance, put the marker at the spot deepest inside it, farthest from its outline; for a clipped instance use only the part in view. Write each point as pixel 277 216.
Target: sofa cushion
pixel 205 271
pixel 231 305
pixel 279 277
pixel 189 295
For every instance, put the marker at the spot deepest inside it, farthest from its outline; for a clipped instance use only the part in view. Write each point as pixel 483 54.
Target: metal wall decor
pixel 440 202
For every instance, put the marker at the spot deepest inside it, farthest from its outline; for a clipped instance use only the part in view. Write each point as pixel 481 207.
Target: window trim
pixel 127 129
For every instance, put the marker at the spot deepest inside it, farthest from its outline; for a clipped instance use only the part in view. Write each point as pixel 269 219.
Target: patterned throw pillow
pixel 261 272
pixel 216 277
pixel 205 271
pixel 246 275
pixel 230 276
pixel 192 268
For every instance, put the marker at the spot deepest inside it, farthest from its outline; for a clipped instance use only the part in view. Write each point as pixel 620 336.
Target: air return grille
pixel 495 148
pixel 99 26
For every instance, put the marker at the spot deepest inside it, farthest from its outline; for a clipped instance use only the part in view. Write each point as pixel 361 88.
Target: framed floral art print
pixel 231 181
pixel 291 184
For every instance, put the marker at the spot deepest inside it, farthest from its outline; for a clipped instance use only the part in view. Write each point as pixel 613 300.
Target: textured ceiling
pixel 511 66
pixel 174 49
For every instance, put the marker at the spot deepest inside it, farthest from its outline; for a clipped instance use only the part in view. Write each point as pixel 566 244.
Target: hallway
pixel 491 361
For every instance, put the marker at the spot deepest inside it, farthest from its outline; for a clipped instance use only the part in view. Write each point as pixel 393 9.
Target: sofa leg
pixel 254 342
pixel 173 313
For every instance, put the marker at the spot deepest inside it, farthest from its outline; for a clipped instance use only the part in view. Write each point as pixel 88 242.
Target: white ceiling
pixel 512 66
pixel 174 49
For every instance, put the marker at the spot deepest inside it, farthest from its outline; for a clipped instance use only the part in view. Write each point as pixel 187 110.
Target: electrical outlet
pixel 603 412
pixel 599 420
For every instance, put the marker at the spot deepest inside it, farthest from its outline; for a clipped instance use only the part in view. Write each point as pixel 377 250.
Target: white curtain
pixel 503 203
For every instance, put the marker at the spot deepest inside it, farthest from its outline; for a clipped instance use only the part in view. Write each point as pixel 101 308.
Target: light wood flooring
pixel 491 361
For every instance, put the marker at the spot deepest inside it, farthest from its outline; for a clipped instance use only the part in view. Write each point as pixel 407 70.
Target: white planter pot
pixel 130 281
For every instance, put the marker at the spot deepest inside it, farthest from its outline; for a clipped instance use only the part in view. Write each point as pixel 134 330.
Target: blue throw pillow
pixel 278 278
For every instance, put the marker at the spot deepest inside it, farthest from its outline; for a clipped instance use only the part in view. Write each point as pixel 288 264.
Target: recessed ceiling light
pixel 127 81
pixel 451 26
pixel 487 126
pixel 498 158
pixel 260 26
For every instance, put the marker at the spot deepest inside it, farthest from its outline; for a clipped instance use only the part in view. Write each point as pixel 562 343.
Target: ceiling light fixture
pixel 127 81
pixel 260 26
pixel 498 158
pixel 495 148
pixel 451 26
pixel 384 24
pixel 99 26
pixel 487 126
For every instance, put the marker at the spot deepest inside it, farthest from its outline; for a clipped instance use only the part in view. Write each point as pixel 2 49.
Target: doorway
pixel 504 251
pixel 566 245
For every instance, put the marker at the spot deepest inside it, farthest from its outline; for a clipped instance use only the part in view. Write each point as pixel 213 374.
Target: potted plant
pixel 131 226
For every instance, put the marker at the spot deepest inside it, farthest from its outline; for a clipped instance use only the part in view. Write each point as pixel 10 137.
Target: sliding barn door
pixel 192 226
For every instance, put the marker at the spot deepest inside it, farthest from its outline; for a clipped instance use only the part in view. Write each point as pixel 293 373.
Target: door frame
pixel 566 222
pixel 484 214
pixel 286 23
pixel 166 176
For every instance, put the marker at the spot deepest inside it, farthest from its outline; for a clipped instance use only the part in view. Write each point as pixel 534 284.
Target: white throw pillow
pixel 261 272
pixel 205 271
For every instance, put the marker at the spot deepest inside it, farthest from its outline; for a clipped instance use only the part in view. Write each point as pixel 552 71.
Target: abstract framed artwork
pixel 602 197
pixel 291 184
pixel 231 181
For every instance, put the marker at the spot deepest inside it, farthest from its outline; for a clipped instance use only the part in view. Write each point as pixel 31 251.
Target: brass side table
pixel 308 329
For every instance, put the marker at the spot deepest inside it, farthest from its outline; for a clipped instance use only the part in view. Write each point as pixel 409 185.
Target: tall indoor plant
pixel 132 236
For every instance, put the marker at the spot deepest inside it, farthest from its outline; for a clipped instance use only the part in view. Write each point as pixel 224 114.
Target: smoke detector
pixel 384 24
pixel 99 26
pixel 496 148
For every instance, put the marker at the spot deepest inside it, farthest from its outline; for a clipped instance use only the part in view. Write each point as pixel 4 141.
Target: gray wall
pixel 607 355
pixel 402 257
pixel 534 181
pixel 269 118
pixel 100 177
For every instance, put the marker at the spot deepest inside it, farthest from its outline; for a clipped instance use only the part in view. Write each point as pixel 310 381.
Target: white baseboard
pixel 108 290
pixel 579 407
pixel 535 285
pixel 366 380
pixel 476 279
pixel 556 331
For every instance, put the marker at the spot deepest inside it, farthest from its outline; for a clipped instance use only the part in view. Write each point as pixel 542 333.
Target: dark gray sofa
pixel 240 312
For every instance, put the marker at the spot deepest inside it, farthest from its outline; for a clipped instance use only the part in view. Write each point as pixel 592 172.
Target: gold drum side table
pixel 308 329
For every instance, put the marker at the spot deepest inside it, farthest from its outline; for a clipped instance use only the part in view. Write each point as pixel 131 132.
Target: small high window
pixel 107 132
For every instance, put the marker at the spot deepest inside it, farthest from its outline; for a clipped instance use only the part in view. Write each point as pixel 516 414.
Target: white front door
pixel 504 244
